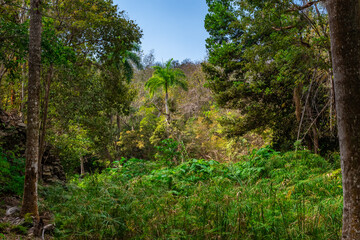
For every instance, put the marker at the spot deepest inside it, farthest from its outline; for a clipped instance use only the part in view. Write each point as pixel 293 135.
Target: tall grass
pixel 266 196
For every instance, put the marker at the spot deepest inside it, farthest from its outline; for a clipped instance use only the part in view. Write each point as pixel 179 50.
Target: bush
pixel 269 195
pixel 18 229
pixel 4 227
pixel 167 152
pixel 11 173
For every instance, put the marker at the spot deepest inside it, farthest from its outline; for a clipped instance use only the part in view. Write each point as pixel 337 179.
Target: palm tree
pixel 127 62
pixel 165 77
pixel 131 60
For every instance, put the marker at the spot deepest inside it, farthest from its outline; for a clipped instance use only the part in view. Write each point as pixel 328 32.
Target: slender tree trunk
pixel 344 17
pixel 2 71
pixel 44 118
pixel 118 123
pixel 167 106
pixel 315 134
pixel 297 101
pixel 82 169
pixel 315 138
pixel 332 101
pixel 29 204
pixel 108 155
pixel 23 17
pixel 22 105
pixel 12 95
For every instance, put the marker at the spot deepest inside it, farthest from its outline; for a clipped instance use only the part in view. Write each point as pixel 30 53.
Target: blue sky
pixel 173 28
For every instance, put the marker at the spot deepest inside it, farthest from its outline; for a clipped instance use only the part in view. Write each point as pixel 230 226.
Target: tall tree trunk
pixel 23 18
pixel 297 101
pixel 12 95
pixel 29 204
pixel 344 17
pixel 315 138
pixel 167 106
pixel 82 169
pixel 108 155
pixel 332 101
pixel 118 123
pixel 315 134
pixel 2 71
pixel 22 105
pixel 44 118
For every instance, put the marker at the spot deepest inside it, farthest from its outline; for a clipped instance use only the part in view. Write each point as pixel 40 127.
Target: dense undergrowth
pixel 11 173
pixel 296 195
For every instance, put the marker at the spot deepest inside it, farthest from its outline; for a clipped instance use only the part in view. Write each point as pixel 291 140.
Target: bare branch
pixel 305 6
pixel 283 28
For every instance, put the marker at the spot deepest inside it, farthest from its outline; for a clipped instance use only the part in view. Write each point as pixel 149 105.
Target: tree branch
pixel 299 8
pixel 283 28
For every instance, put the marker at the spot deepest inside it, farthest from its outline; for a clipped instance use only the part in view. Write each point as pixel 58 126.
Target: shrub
pixel 268 195
pixel 4 227
pixel 18 229
pixel 167 152
pixel 11 173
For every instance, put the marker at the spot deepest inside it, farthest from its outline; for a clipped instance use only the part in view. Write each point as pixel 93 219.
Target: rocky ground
pixel 12 226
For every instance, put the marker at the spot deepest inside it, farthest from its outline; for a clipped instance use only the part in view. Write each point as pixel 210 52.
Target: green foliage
pixel 18 229
pixel 269 195
pixel 72 145
pixel 11 173
pixel 167 151
pixel 265 57
pixel 4 226
pixel 137 142
pixel 14 40
pixel 90 51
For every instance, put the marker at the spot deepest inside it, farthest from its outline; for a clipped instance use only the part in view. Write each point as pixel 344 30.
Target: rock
pixel 52 170
pixel 12 132
pixel 12 210
pixel 13 139
pixel 22 125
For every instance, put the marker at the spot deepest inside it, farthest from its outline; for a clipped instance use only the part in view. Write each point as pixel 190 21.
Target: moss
pixel 28 221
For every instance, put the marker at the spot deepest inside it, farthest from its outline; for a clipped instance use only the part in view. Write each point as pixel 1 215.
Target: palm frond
pixel 165 76
pixel 153 84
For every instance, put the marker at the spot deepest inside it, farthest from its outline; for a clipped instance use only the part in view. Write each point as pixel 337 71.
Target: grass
pixel 4 226
pixel 268 195
pixel 18 229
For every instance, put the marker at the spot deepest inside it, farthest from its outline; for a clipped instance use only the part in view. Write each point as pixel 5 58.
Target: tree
pixel 87 60
pixel 14 42
pixel 344 17
pixel 270 60
pixel 29 204
pixel 166 77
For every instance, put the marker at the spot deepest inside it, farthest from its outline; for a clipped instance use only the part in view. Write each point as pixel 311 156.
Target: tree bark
pixel 344 17
pixel 29 204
